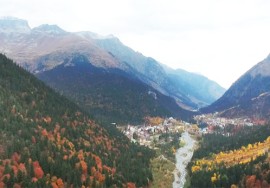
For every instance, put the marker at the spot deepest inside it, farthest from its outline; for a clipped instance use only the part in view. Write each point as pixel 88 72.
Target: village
pixel 209 123
pixel 150 132
pixel 175 140
pixel 215 120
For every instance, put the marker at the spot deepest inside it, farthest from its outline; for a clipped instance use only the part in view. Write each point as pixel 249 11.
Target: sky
pixel 220 39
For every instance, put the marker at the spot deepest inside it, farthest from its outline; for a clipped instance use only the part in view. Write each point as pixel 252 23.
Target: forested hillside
pixel 238 160
pixel 45 141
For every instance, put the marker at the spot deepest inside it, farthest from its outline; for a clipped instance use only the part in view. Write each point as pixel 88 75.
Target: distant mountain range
pixel 248 96
pixel 44 48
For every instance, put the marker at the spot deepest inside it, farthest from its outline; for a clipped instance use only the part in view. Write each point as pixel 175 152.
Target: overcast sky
pixel 220 39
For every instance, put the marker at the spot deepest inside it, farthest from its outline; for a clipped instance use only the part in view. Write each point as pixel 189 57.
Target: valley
pixel 174 142
pixel 220 146
pixel 83 110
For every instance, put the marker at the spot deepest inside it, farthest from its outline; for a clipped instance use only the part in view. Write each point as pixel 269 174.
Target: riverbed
pixel 183 157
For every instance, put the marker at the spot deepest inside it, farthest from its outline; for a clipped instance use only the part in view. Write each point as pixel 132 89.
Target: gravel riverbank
pixel 183 157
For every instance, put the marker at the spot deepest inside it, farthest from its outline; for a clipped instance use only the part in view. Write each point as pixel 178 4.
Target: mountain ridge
pixel 247 95
pixel 164 75
pixel 109 95
pixel 11 25
pixel 32 48
pixel 48 46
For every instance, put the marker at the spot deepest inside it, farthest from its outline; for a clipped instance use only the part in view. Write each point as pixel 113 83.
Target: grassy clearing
pixel 162 170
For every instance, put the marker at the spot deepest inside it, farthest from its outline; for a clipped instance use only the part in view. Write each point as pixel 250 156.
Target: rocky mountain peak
pixel 49 29
pixel 10 25
pixel 95 36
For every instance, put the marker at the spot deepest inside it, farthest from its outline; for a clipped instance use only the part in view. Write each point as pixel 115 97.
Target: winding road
pixel 183 157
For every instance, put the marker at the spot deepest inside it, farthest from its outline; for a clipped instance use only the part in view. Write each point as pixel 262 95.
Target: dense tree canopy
pixel 46 141
pixel 240 159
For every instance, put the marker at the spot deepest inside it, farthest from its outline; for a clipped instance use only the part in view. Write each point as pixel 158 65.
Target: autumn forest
pixel 46 141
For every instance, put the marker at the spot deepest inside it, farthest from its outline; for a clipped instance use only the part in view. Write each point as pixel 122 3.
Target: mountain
pixel 190 89
pixel 248 96
pixel 198 88
pixel 110 95
pixel 49 29
pixel 144 65
pixel 46 141
pixel 147 69
pixel 11 26
pixel 45 47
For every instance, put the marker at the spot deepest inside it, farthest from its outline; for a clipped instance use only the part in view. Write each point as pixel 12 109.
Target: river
pixel 183 157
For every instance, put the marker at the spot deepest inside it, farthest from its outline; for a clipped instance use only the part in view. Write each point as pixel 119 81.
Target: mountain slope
pixel 47 46
pixel 144 65
pixel 191 89
pixel 249 95
pixel 45 141
pixel 200 89
pixel 110 95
